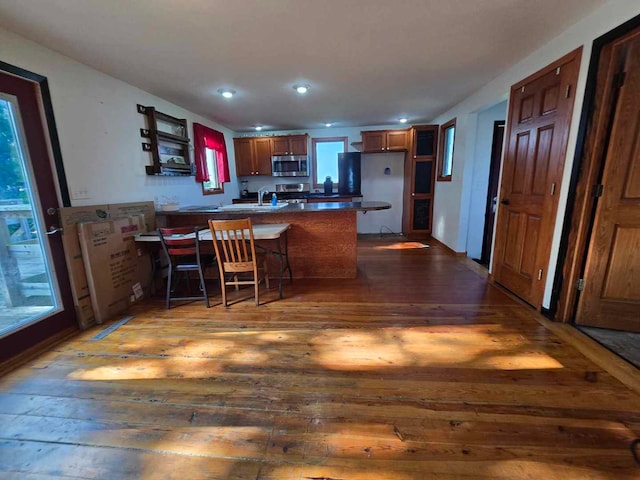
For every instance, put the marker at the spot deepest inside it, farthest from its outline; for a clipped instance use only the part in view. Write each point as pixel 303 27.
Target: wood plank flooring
pixel 417 369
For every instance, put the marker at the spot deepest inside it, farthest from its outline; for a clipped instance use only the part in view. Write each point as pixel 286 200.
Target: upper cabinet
pixel 379 141
pixel 253 156
pixel 289 145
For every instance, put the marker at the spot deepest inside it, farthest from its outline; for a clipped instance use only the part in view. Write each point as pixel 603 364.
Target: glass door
pixel 35 293
pixel 28 290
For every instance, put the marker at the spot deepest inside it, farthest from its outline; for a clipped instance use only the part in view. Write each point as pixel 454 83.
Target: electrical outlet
pixel 80 194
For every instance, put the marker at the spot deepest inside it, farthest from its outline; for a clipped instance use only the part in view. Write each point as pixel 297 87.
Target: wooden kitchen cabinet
pixel 289 145
pixel 381 141
pixel 419 181
pixel 253 156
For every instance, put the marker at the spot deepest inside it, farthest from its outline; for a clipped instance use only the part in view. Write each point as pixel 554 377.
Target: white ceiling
pixel 369 62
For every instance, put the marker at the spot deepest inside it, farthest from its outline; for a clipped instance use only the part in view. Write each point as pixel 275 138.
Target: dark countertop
pixel 290 208
pixel 253 196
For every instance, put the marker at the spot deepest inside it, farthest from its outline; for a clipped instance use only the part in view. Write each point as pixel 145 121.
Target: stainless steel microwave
pixel 290 166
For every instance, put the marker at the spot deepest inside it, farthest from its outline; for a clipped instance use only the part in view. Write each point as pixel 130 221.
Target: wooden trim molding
pixel 440 158
pixel 446 247
pixel 314 164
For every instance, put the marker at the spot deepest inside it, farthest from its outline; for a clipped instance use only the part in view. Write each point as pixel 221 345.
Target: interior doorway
pixel 35 293
pixel 492 192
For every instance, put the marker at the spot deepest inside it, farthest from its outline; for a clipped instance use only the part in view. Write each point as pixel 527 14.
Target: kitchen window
pixel 210 158
pixel 213 185
pixel 445 150
pixel 324 158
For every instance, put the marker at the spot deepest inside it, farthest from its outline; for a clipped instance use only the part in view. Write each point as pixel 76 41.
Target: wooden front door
pixel 539 116
pixel 611 295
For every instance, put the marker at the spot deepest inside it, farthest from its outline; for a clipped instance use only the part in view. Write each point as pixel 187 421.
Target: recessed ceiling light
pixel 328 124
pixel 301 89
pixel 404 120
pixel 259 127
pixel 226 92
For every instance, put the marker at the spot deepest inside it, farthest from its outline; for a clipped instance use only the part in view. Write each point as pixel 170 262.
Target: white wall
pixel 382 188
pixel 480 177
pixel 451 199
pixel 98 126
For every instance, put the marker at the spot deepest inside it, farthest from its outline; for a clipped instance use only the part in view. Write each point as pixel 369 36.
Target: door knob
pixel 53 229
pixel 504 201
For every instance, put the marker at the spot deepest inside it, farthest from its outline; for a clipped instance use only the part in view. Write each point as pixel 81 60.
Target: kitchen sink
pixel 267 207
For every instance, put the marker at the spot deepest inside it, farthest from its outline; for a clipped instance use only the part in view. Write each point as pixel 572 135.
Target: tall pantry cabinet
pixel 419 181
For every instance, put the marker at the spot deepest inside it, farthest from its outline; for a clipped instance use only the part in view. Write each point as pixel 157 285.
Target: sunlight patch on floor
pixel 402 246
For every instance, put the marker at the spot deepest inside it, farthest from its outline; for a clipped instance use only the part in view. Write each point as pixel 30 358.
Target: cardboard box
pixel 69 219
pixel 115 268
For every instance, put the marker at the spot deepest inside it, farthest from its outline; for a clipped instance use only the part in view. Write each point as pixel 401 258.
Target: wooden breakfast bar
pixel 322 238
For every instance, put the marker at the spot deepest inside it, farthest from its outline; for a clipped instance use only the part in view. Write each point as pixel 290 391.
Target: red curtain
pixel 203 138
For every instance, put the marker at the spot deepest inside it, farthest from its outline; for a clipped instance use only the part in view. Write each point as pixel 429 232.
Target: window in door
pixel 325 158
pixel 445 152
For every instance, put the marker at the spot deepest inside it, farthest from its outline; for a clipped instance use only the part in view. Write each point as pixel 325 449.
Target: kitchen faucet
pixel 261 191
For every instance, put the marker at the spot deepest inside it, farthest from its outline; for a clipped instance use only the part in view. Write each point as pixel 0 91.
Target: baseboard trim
pixel 36 350
pixel 447 248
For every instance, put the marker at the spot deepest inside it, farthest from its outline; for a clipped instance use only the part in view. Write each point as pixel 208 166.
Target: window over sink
pixel 324 157
pixel 213 185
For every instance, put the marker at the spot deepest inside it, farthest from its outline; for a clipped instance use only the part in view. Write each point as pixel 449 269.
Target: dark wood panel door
pixel 243 148
pixel 611 296
pixel 262 152
pixel 540 110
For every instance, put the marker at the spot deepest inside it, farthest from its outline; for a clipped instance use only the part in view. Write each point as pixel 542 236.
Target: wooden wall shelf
pixel 168 143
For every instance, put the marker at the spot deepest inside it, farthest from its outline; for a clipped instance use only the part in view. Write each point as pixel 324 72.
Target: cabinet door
pixel 423 176
pixel 262 149
pixel 424 142
pixel 243 148
pixel 374 142
pixel 298 144
pixel 397 140
pixel 280 146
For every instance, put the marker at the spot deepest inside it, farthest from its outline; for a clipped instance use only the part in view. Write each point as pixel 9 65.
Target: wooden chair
pixel 182 247
pixel 236 253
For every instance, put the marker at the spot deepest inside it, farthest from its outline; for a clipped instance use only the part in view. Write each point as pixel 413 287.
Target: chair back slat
pixel 179 241
pixel 234 244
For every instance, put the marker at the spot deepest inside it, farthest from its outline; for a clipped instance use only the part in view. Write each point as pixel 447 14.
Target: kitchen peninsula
pixel 322 240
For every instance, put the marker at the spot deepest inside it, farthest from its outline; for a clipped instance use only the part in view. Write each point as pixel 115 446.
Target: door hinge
pixel 580 285
pixel 558 71
pixel 553 188
pixel 618 79
pixel 540 274
pixel 567 91
pixel 598 190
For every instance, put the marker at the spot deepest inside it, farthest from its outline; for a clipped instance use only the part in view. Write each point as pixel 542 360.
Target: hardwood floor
pixel 419 369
